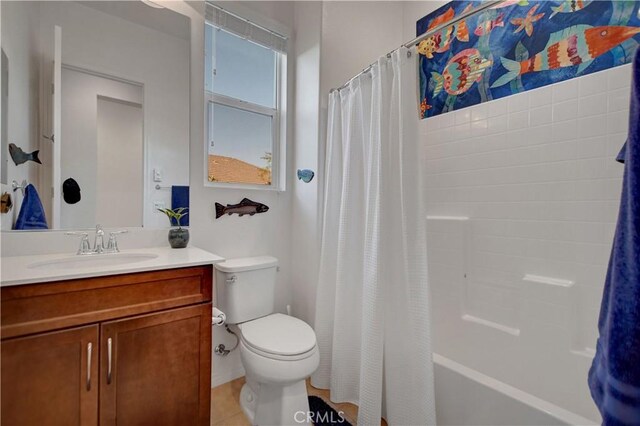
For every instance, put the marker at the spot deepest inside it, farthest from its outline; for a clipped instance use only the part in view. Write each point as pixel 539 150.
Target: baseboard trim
pixel 226 376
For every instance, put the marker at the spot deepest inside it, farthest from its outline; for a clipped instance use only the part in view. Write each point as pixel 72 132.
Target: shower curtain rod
pixel 429 33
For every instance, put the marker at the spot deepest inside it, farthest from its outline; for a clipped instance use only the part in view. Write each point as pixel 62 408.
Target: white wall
pixel 232 236
pixel 349 35
pixel 304 206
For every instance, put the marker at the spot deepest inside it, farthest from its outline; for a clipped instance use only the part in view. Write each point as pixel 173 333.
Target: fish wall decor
pixel 244 207
pixel 5 203
pixel 520 45
pixel 19 156
pixel 305 175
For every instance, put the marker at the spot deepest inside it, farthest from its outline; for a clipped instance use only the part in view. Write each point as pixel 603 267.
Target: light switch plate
pixel 157 175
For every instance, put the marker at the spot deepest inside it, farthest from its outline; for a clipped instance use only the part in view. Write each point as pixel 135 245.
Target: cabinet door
pixel 156 369
pixel 51 378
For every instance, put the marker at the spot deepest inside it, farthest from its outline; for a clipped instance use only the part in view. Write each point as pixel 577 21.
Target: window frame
pixel 278 126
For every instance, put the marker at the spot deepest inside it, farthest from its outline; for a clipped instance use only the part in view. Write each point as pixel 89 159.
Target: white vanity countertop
pixel 17 270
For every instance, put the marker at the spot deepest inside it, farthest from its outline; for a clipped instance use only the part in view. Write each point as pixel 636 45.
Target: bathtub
pixel 467 397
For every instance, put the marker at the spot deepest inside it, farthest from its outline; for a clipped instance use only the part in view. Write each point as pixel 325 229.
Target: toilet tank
pixel 245 287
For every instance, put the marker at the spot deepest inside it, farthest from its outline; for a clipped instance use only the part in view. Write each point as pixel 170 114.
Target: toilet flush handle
pixel 232 279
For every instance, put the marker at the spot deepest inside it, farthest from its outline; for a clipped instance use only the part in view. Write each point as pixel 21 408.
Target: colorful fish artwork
pixel 526 23
pixel 486 26
pixel 570 6
pixel 577 45
pixel 511 3
pixel 424 107
pixel 513 47
pixel 440 41
pixel 461 72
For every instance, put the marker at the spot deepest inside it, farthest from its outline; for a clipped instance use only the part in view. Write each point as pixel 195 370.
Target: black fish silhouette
pixel 246 206
pixel 19 156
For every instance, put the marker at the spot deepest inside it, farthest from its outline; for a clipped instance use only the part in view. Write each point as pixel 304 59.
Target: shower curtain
pixel 372 311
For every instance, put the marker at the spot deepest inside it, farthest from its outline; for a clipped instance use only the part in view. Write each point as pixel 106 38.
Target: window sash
pixel 273 113
pixel 277 128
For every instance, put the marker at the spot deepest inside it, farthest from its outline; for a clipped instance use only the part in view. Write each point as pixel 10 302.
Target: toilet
pixel 278 351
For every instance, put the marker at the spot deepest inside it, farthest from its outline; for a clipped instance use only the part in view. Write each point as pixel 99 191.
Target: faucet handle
pixel 84 241
pixel 99 230
pixel 112 245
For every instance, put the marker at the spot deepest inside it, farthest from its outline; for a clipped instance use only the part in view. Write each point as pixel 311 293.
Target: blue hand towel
pixel 31 214
pixel 180 198
pixel 614 377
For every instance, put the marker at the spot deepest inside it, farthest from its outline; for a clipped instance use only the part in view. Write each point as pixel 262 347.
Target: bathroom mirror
pixel 95 111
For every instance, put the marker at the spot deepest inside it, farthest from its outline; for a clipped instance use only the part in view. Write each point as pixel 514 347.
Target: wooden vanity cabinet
pixel 51 378
pixel 140 356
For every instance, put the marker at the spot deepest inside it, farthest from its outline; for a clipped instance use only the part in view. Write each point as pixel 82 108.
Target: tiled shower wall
pixel 522 196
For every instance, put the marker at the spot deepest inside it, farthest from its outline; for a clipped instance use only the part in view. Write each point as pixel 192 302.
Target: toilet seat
pixel 279 336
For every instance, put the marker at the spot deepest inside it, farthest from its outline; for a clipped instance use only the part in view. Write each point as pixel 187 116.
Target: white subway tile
pixel 540 116
pixel 462 116
pixel 564 91
pixel 619 77
pixel 540 97
pixel 617 121
pixel 480 112
pixel 497 107
pixel 566 110
pixel 518 120
pixel 519 102
pixel 564 130
pixel 595 105
pixel 588 127
pixel 618 99
pixel 446 119
pixel 591 84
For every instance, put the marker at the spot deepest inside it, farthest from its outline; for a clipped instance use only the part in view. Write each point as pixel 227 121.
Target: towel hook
pixel 15 186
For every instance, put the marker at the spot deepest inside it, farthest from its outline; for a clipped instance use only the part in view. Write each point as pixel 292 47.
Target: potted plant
pixel 178 237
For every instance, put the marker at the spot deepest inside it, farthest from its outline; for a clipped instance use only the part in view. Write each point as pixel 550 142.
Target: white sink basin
pixel 93 261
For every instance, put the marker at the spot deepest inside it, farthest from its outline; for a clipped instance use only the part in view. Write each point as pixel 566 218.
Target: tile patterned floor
pixel 226 411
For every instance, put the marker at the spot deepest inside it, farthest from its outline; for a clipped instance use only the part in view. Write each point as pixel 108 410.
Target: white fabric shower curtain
pixel 372 311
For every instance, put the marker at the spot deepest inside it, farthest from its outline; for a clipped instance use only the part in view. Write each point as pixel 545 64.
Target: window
pixel 245 89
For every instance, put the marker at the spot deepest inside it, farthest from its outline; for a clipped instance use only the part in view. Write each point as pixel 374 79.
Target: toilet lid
pixel 279 334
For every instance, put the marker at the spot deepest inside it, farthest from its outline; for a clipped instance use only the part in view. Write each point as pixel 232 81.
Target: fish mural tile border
pixel 519 45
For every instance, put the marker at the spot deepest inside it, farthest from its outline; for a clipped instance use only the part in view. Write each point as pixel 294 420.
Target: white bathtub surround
pixel 372 312
pixel 466 397
pixel 525 271
pixel 18 270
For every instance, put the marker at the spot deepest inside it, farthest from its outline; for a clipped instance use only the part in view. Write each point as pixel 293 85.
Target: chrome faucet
pixel 98 243
pixel 99 246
